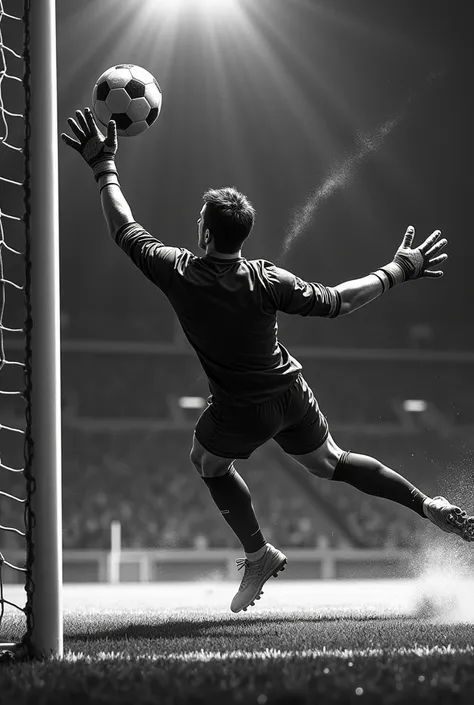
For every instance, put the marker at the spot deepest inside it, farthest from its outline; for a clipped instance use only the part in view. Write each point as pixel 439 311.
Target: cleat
pixel 255 576
pixel 449 518
pixel 462 524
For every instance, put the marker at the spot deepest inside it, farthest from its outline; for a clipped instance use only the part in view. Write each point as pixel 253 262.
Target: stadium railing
pixel 96 566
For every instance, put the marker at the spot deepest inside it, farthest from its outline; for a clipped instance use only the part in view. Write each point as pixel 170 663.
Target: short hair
pixel 229 216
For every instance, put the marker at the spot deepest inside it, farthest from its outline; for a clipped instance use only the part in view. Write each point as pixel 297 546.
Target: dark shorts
pixel 293 420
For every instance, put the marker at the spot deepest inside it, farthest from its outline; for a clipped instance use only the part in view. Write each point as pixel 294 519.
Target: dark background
pixel 268 99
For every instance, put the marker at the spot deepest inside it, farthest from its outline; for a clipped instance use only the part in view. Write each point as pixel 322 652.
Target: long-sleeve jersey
pixel 227 309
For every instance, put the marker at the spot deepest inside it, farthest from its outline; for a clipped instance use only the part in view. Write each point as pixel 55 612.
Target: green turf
pixel 179 656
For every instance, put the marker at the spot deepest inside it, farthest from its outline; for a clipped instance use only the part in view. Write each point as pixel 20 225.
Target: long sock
pixel 232 497
pixel 370 476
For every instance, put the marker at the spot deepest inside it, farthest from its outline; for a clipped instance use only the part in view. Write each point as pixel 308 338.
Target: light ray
pixel 212 8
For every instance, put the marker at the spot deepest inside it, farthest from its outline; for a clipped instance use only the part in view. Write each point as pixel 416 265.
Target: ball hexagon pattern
pixel 118 100
pixel 128 94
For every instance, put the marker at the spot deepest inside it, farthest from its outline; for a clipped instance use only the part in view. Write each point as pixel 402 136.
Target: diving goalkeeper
pixel 227 306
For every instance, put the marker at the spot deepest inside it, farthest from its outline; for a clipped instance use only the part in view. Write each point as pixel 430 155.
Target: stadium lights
pixel 415 405
pixel 191 402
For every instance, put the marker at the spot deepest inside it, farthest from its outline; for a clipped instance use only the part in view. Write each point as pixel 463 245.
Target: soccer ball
pixel 128 94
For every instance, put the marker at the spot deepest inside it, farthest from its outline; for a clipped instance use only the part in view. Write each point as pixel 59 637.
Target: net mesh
pixel 16 445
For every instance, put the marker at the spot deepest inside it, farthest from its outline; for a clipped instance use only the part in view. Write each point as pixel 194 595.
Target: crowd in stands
pixel 147 482
pixel 144 478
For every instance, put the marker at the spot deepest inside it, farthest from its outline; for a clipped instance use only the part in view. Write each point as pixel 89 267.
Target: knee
pixel 322 467
pixel 196 459
pixel 207 466
pixel 322 462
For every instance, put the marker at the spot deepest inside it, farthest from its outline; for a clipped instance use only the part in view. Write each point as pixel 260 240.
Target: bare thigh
pixel 322 461
pixel 206 463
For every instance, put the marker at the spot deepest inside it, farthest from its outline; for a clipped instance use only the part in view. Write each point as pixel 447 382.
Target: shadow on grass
pixel 155 627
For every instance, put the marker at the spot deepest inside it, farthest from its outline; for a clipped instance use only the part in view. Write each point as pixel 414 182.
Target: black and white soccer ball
pixel 128 94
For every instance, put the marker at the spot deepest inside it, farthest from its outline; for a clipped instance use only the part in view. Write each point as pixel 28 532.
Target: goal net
pixel 30 440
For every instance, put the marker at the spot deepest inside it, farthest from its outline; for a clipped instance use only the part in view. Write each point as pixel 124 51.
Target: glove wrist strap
pixel 107 178
pixel 383 279
pixel 390 275
pixel 104 166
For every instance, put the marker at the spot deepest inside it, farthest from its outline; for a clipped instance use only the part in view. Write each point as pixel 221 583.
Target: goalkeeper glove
pixel 98 151
pixel 411 263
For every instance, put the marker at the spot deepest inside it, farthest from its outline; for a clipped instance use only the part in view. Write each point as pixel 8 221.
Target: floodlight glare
pixel 211 6
pixel 415 405
pixel 191 402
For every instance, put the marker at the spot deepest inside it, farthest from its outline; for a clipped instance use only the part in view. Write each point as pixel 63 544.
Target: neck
pixel 222 255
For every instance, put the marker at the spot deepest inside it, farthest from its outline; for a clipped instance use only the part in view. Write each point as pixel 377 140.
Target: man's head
pixel 225 221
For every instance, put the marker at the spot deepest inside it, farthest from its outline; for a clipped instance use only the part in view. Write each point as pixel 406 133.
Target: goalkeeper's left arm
pixel 99 153
pixel 408 264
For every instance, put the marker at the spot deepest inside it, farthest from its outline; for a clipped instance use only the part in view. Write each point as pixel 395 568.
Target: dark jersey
pixel 228 311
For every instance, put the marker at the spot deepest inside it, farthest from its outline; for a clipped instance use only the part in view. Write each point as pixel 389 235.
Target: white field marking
pixel 317 597
pixel 204 656
pixel 381 596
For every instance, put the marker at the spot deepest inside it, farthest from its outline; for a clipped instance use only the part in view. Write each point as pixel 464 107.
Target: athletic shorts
pixel 292 419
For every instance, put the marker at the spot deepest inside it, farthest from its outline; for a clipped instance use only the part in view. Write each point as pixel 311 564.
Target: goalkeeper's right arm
pixel 407 264
pixel 115 207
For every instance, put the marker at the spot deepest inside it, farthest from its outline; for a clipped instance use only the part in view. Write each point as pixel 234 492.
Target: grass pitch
pixel 306 642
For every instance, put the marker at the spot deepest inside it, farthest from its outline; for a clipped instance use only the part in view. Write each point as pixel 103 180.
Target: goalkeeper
pixel 227 306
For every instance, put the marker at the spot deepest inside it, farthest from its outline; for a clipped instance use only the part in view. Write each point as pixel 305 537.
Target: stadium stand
pixel 351 391
pixel 142 475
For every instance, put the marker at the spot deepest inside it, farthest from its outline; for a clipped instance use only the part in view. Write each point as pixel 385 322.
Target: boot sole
pixel 465 526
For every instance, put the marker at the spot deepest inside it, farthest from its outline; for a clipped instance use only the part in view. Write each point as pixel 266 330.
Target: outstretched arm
pixel 115 208
pixel 407 264
pixel 99 153
pixel 150 255
pixel 358 292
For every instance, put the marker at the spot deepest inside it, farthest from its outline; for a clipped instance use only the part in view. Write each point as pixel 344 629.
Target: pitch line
pixel 270 654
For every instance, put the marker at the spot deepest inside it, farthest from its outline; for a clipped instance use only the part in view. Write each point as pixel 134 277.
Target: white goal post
pixel 42 393
pixel 47 629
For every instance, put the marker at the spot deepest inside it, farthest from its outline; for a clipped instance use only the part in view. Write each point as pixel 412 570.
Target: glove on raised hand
pixel 411 263
pixel 98 151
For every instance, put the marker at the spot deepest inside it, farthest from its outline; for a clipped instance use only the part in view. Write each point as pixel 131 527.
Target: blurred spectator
pixel 145 480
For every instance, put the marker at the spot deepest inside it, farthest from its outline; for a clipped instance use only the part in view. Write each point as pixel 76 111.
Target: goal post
pixel 46 504
pixel 41 330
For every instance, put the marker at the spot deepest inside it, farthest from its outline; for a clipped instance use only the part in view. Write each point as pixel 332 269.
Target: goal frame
pixel 44 631
pixel 46 501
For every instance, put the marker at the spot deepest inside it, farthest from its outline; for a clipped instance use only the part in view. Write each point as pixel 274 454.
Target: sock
pixel 256 555
pixel 370 476
pixel 232 497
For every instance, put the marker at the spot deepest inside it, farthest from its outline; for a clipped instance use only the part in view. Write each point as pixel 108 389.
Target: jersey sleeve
pixel 296 296
pixel 156 260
